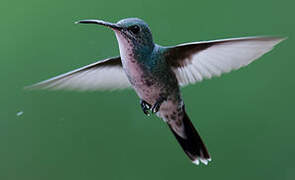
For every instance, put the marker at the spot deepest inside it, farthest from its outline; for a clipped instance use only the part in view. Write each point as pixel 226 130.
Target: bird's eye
pixel 134 29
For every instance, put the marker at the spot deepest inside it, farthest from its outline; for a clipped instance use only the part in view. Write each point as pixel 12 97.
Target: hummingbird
pixel 157 73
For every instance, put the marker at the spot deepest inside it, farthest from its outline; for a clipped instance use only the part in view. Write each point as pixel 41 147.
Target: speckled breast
pixel 142 80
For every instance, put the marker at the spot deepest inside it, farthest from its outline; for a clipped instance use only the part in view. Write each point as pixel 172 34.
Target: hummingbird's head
pixel 135 31
pixel 131 33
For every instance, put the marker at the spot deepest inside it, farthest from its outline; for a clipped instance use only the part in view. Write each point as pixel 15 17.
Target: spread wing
pixel 193 62
pixel 102 75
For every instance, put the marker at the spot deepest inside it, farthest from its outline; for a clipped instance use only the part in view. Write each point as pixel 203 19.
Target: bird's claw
pixel 145 107
pixel 157 105
pixel 155 108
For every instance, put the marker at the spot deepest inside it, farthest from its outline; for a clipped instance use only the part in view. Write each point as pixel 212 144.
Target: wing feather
pixel 102 75
pixel 193 62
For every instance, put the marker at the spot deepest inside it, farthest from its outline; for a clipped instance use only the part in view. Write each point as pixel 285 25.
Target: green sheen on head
pixel 137 31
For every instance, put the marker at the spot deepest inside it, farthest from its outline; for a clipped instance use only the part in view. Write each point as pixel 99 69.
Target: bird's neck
pixel 132 51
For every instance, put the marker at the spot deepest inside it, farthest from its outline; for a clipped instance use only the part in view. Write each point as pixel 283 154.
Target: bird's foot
pixel 155 108
pixel 145 107
pixel 157 105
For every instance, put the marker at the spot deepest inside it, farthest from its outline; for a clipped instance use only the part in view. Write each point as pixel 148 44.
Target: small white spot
pixel 197 162
pixel 19 113
pixel 204 161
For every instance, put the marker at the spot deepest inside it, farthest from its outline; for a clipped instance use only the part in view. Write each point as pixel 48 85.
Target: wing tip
pixel 276 39
pixel 281 39
pixel 46 85
pixel 32 87
pixel 39 86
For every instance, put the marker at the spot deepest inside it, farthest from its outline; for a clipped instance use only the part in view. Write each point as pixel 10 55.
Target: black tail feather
pixel 192 145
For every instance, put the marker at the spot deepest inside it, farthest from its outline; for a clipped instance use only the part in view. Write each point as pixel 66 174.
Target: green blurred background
pixel 246 117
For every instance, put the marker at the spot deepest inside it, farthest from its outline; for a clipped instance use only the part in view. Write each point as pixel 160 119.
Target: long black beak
pixel 100 22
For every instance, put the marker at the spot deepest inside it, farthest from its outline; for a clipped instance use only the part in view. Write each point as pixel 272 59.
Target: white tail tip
pixel 204 161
